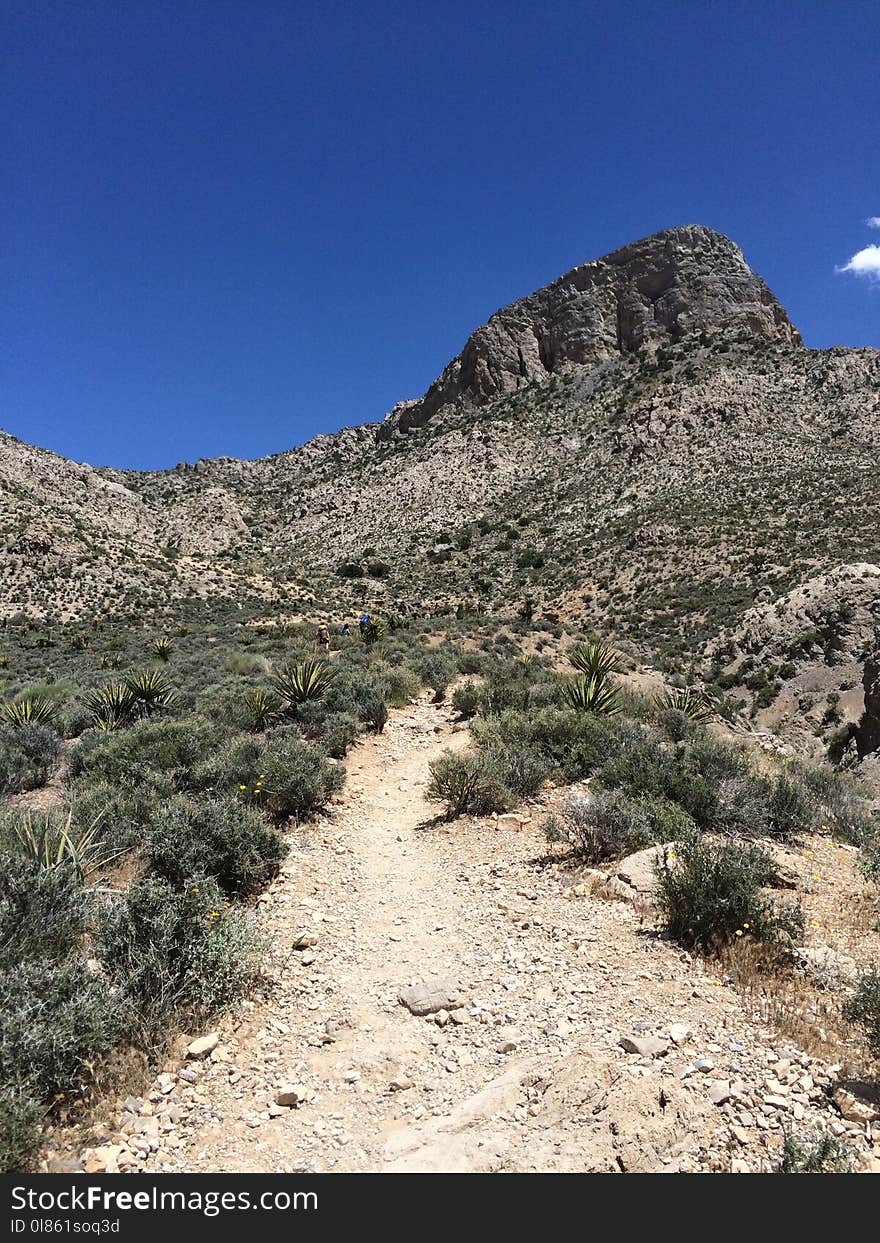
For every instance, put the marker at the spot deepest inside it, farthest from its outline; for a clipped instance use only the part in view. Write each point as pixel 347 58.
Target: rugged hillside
pixel 643 445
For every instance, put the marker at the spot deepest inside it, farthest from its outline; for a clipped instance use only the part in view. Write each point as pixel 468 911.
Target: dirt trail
pixel 527 1074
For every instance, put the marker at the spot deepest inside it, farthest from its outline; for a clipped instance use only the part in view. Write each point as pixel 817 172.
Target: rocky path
pixel 569 1036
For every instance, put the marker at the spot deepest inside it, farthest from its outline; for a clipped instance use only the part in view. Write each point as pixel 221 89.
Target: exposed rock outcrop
pixel 668 285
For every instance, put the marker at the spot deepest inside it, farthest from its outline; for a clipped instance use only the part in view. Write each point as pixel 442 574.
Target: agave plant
pixel 111 706
pixel 29 710
pixel 595 659
pixel 692 703
pixel 297 684
pixel 111 660
pixel 162 648
pixel 151 692
pixel 51 843
pixel 592 695
pixel 263 709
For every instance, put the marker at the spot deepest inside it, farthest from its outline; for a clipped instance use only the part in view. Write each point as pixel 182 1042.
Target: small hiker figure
pixel 322 638
pixel 364 622
pixel 345 630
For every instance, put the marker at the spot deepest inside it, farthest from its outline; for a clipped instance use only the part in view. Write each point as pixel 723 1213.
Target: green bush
pixel 339 731
pixel 466 784
pixel 400 685
pixel 42 910
pixel 58 1020
pixel 814 1152
pixel 436 672
pixel 612 825
pixel 169 746
pixel 27 753
pixel 863 1008
pixel 711 893
pixel 176 953
pixel 646 767
pixel 220 838
pixel 298 779
pixel 20 1118
pixel 466 698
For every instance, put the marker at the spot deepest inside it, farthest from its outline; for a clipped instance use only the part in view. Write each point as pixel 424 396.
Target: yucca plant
pixel 595 659
pixel 52 843
pixel 263 708
pixel 111 706
pixel 372 632
pixel 151 692
pixel 162 648
pixel 300 683
pixel 694 704
pixel 111 660
pixel 29 710
pixel 592 695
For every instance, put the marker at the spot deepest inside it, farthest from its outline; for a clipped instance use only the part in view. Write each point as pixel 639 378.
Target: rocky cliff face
pixel 669 285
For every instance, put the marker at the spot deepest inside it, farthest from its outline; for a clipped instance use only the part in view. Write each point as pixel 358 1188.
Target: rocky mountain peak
pixel 669 285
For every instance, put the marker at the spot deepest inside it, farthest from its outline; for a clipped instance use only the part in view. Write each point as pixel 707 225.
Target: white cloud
pixel 873 222
pixel 864 263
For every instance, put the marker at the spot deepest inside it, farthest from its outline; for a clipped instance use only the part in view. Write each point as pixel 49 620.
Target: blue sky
pixel 227 227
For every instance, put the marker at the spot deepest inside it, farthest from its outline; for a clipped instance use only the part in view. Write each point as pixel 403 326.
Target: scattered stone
pixel 645 1046
pixel 428 997
pixel 290 1095
pixel 203 1046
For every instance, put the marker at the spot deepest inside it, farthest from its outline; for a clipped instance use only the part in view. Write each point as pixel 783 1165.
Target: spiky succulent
pixel 111 707
pixel 151 692
pixel 162 648
pixel 297 684
pixel 263 708
pixel 692 703
pixel 372 631
pixel 592 695
pixel 595 659
pixel 29 710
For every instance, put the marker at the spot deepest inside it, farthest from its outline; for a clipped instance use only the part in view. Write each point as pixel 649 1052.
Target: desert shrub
pixel 400 684
pixel 339 731
pixel 646 767
pixel 471 662
pixel 743 806
pixel 610 826
pixel 236 762
pixel 814 1152
pixel 466 784
pixel 436 672
pixel 841 802
pixel 121 812
pixel 466 698
pixel 791 810
pixel 677 725
pixel 220 838
pixel 373 710
pixel 520 770
pixel 42 910
pixel 863 1008
pixel 58 1019
pixel 711 893
pixel 173 746
pixel 20 1118
pixel 27 753
pixel 176 952
pixel 298 779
